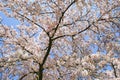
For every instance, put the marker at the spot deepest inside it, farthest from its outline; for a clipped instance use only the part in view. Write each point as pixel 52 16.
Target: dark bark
pixel 114 69
pixel 40 73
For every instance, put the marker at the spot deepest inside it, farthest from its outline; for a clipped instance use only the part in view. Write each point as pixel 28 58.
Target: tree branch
pixel 113 66
pixel 33 22
pixel 60 19
pixel 48 51
pixel 73 34
pixel 21 78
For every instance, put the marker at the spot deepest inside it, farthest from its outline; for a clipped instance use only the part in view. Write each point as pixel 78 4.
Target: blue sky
pixel 8 21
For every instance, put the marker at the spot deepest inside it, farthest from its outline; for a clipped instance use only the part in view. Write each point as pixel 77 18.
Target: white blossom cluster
pixel 94 64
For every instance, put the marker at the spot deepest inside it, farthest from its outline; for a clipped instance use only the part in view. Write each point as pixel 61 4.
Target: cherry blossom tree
pixel 60 40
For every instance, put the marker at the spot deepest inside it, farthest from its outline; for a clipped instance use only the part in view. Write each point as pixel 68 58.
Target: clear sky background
pixel 8 21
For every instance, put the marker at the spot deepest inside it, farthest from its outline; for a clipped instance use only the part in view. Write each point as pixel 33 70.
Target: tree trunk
pixel 40 73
